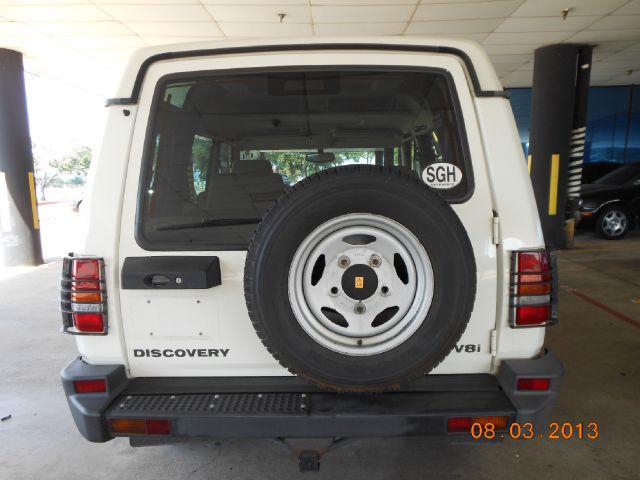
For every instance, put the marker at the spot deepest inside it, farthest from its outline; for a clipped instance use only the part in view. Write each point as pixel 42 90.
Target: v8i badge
pixel 442 175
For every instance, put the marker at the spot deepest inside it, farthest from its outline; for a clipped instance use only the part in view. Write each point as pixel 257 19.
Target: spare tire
pixel 360 279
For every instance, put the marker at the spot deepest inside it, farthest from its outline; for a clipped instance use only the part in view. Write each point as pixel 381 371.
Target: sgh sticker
pixel 442 175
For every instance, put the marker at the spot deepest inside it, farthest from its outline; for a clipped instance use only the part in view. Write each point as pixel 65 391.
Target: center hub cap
pixel 359 282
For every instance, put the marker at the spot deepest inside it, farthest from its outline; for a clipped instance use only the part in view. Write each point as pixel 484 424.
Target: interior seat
pixel 247 192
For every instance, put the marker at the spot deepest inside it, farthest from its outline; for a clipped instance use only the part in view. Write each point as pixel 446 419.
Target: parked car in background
pixel 611 204
pixel 596 170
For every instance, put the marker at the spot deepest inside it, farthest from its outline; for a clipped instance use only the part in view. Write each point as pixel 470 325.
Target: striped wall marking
pixel 529 164
pixel 34 202
pixel 576 154
pixel 553 184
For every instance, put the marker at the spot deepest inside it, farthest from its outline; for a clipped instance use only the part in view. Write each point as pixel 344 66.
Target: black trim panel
pixel 171 273
pixel 137 86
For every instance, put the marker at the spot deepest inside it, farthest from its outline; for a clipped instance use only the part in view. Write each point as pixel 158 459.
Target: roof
pixel 479 66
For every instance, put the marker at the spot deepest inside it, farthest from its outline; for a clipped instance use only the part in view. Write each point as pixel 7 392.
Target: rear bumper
pixel 272 407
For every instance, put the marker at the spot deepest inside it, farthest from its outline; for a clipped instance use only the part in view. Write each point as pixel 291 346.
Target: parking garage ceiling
pixel 86 42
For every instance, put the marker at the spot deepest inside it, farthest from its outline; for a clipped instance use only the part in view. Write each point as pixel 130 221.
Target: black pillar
pixel 405 154
pixel 558 105
pixel 19 224
pixel 388 157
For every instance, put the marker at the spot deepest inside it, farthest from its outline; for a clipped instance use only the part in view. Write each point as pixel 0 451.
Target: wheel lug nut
pixel 360 308
pixel 384 290
pixel 334 291
pixel 343 261
pixel 375 260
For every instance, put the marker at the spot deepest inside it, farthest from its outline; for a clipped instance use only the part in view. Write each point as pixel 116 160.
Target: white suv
pixel 275 226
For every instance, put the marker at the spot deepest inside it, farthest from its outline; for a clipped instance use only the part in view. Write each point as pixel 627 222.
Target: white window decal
pixel 442 175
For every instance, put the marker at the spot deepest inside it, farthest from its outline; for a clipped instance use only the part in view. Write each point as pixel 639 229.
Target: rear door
pixel 204 167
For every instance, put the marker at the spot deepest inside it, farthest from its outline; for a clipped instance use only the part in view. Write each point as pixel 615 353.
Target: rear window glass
pixel 223 148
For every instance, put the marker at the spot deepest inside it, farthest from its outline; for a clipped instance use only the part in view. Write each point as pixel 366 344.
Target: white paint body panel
pixel 217 318
pixel 485 71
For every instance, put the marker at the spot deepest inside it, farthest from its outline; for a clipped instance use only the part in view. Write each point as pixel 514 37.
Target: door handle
pixel 157 280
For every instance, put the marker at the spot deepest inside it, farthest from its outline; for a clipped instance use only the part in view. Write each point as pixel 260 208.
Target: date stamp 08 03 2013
pixel 554 431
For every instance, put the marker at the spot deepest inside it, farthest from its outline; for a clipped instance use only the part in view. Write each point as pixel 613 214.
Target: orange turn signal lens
pixel 86 297
pixel 529 278
pixel 135 426
pixel 499 422
pixel 534 289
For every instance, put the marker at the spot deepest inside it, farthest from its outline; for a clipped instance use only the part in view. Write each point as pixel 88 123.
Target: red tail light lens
pixel 464 424
pixel 88 322
pixel 532 289
pixel 85 269
pixel 533 315
pixel 459 424
pixel 534 262
pixel 90 386
pixel 534 384
pixel 158 427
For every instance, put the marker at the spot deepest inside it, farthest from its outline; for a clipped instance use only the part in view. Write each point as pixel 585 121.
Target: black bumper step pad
pixel 287 415
pixel 211 405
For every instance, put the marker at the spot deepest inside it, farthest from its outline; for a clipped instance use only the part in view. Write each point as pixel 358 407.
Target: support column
pixel 19 224
pixel 388 157
pixel 558 108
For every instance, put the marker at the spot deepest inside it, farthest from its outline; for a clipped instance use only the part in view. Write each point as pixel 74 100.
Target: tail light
pixel 139 426
pixel 90 386
pixel 83 296
pixel 464 424
pixel 538 384
pixel 534 288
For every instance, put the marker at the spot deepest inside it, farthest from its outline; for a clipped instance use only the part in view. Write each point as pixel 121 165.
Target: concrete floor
pixel 598 339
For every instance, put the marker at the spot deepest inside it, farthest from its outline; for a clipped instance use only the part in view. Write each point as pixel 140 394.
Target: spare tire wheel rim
pixel 360 284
